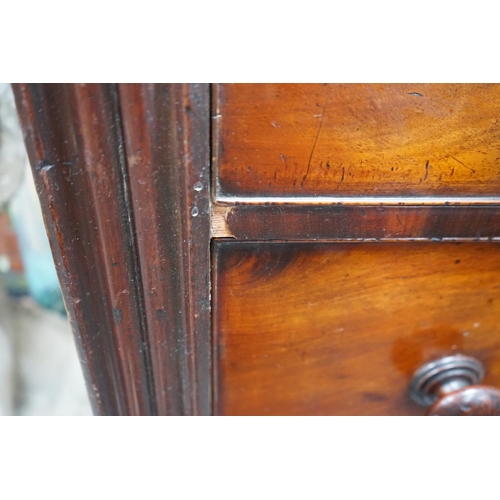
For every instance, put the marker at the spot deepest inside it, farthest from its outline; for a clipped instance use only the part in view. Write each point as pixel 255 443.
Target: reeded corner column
pixel 118 170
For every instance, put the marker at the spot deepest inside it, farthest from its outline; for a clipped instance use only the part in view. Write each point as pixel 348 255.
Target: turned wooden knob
pixel 448 386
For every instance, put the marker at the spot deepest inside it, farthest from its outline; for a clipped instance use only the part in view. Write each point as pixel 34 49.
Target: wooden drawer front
pixel 339 329
pixel 357 140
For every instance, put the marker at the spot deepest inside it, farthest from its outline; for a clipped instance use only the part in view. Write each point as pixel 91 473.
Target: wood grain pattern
pixel 122 172
pixel 167 145
pixel 347 222
pixel 321 328
pixel 357 140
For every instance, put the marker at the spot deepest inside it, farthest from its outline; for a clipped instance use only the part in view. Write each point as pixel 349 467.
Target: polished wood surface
pixel 118 171
pixel 340 328
pixel 473 401
pixel 74 149
pixel 357 140
pixel 297 326
pixel 167 132
pixel 351 222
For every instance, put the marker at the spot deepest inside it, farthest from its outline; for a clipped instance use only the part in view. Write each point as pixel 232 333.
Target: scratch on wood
pixel 283 159
pixel 314 147
pixel 426 170
pixel 466 166
pixel 44 166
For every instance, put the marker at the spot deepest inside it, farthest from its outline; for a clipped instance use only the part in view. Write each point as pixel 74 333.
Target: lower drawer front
pixel 339 329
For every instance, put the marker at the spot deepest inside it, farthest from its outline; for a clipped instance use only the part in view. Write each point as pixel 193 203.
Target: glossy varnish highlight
pixel 339 329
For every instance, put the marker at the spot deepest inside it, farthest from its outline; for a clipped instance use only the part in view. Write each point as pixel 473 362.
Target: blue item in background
pixel 40 273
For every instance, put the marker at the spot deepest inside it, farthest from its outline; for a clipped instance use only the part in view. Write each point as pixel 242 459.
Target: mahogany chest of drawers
pixel 277 249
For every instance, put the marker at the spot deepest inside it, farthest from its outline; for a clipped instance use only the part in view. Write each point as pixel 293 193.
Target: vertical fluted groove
pixel 166 130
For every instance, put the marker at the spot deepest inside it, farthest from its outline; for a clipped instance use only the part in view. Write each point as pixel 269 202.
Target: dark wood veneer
pixel 167 144
pixel 76 151
pixel 138 301
pixel 345 222
pixel 123 175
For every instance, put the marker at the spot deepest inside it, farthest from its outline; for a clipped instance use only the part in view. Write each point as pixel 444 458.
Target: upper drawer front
pixel 346 140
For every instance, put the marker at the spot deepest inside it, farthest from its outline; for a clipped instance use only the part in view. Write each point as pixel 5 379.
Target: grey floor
pixel 39 370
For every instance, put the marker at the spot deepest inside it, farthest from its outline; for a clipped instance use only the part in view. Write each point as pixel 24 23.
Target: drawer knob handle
pixel 449 387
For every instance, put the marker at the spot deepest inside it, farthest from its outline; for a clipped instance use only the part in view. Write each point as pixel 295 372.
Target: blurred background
pixel 39 369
